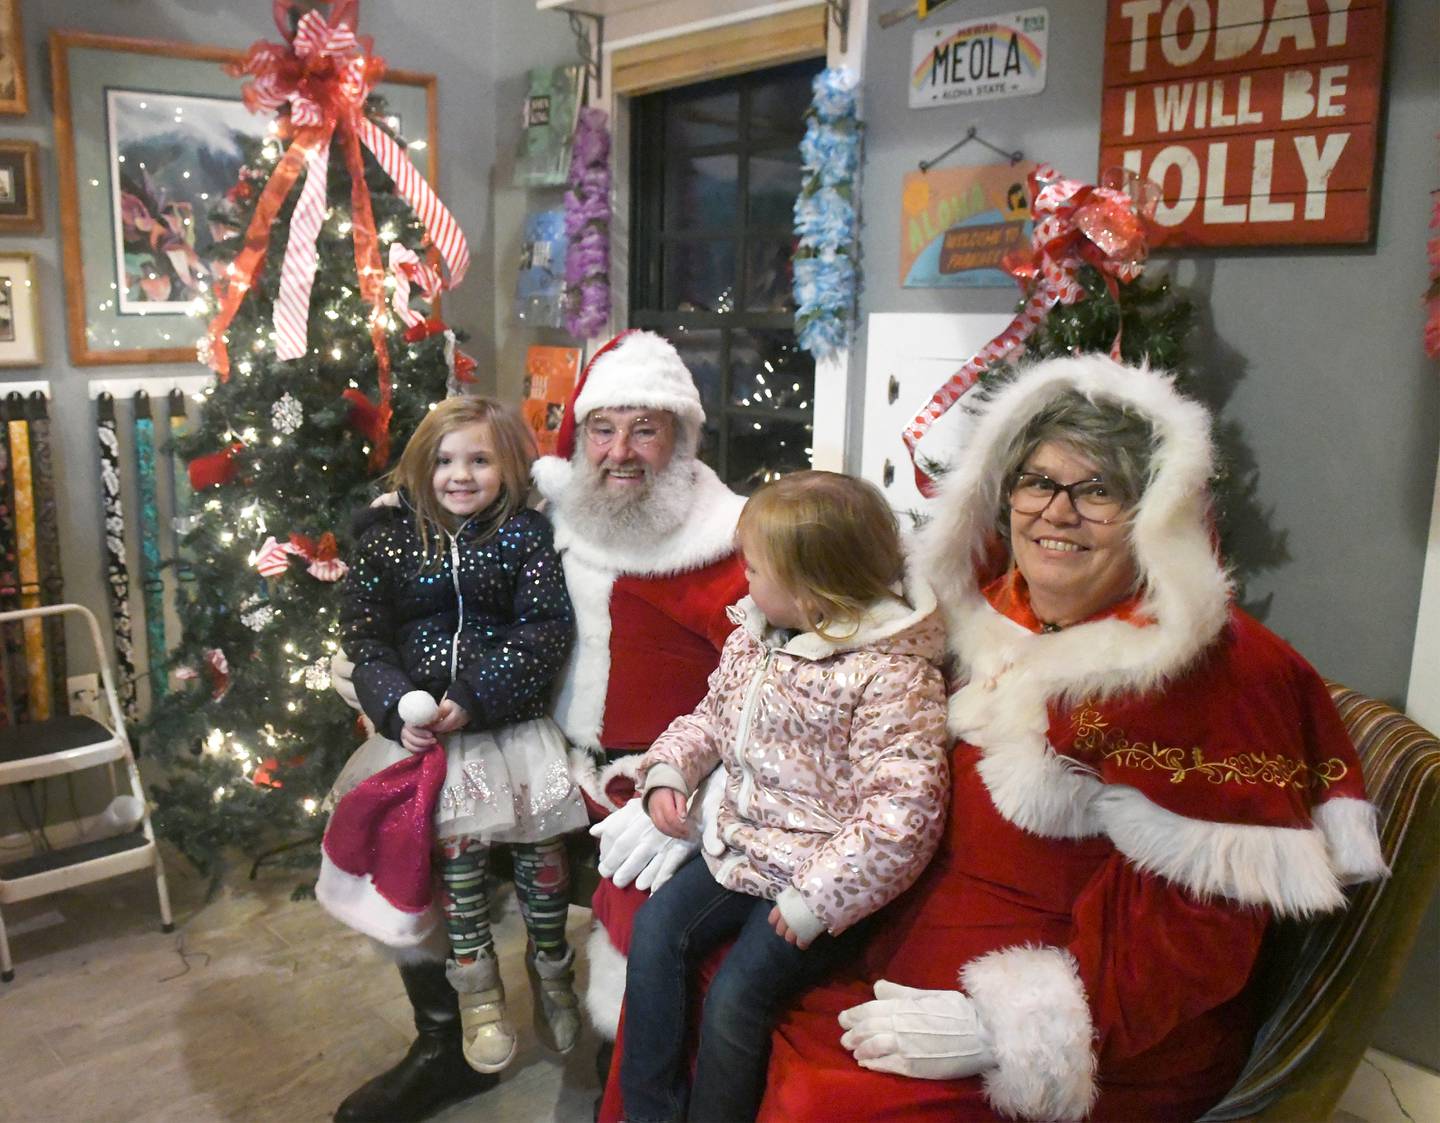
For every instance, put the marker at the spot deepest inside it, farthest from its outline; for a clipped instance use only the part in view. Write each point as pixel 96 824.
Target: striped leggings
pixel 542 885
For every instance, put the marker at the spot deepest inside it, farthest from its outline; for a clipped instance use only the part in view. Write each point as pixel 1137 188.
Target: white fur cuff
pixel 606 989
pixel 1032 1004
pixel 1351 839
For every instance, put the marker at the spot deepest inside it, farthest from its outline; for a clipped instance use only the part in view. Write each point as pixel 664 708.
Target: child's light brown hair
pixel 510 440
pixel 831 541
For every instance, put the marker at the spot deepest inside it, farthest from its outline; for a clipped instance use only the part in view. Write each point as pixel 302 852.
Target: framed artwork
pixel 19 187
pixel 13 97
pixel 149 135
pixel 19 311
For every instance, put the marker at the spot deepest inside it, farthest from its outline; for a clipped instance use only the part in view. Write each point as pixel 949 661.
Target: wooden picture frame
pixel 19 310
pixel 14 94
pixel 114 96
pixel 19 187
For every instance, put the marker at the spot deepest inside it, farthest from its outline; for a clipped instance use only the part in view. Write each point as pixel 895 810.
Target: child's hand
pixel 450 717
pixel 666 807
pixel 784 931
pixel 416 738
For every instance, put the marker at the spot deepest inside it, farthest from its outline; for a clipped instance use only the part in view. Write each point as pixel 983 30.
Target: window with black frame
pixel 715 173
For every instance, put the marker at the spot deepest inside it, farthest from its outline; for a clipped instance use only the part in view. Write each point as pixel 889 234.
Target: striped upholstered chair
pixel 1327 982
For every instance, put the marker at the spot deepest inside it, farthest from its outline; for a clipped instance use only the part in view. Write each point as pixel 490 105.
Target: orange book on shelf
pixel 550 374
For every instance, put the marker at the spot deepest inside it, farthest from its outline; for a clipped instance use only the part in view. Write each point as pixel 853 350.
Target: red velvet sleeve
pixel 1153 957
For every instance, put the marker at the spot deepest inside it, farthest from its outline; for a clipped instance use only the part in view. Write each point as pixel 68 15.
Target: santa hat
pixel 635 370
pixel 375 872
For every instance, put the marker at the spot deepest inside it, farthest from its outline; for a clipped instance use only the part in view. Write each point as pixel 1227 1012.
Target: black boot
pixel 433 1074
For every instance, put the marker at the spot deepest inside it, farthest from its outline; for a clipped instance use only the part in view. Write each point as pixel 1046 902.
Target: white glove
pixel 342 675
pixel 930 1034
pixel 632 848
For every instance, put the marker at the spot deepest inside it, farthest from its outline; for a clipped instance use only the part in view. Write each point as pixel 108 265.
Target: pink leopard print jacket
pixel 836 759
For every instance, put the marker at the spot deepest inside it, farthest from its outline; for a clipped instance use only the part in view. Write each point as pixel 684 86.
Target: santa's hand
pixel 659 869
pixel 342 679
pixel 630 842
pixel 930 1034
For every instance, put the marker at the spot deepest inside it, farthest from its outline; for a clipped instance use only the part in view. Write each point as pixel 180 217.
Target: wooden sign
pixel 1259 119
pixel 958 224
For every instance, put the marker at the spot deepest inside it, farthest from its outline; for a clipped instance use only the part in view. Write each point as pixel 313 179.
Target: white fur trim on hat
pixel 354 900
pixel 644 371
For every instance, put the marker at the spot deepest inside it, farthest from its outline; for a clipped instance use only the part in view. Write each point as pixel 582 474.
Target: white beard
pixel 644 514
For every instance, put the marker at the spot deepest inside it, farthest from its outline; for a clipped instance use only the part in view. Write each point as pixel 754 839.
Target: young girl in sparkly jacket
pixel 827 712
pixel 456 616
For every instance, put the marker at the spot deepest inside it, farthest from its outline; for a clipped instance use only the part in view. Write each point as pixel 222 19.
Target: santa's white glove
pixel 930 1034
pixel 633 849
pixel 342 678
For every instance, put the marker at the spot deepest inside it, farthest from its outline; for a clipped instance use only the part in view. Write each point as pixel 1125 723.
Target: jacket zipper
pixel 742 733
pixel 459 601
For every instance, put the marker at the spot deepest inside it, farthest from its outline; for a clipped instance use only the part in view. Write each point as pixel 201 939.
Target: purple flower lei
pixel 587 225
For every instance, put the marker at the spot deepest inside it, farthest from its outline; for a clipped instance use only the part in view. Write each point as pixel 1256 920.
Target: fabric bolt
pixel 152 583
pixel 183 497
pixel 12 686
pixel 37 673
pixel 117 568
pixel 47 520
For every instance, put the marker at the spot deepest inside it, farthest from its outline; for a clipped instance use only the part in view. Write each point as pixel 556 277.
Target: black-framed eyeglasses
pixel 1094 500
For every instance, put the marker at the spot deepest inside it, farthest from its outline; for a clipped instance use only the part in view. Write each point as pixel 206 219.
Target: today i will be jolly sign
pixel 1258 118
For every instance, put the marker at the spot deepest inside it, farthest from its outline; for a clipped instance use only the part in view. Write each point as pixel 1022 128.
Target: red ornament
pixel 215 469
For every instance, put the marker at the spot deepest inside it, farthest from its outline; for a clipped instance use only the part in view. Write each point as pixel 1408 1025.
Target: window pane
pixel 700 276
pixel 774 183
pixel 700 351
pixel 702 194
pixel 778 103
pixel 770 276
pixel 711 118
pixel 768 370
pixel 762 450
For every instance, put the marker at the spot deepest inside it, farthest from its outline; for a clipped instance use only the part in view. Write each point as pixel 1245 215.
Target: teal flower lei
pixel 826 254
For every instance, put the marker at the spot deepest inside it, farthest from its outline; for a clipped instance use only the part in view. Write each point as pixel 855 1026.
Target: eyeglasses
pixel 1094 500
pixel 643 432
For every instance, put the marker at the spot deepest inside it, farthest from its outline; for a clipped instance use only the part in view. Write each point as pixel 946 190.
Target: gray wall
pixel 1317 351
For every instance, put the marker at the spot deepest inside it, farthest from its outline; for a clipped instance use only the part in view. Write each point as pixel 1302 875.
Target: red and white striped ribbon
pixel 297 272
pixel 405 267
pixel 444 231
pixel 273 558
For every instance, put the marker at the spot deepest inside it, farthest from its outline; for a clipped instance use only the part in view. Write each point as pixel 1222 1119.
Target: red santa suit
pixel 1135 797
pixel 650 621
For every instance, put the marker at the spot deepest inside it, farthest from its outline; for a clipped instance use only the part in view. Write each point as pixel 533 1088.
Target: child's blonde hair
pixel 511 441
pixel 831 541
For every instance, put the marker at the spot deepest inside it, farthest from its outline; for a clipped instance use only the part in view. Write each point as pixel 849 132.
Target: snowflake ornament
pixel 317 675
pixel 256 614
pixel 287 415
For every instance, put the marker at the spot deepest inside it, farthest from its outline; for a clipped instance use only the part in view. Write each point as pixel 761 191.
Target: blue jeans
pixel 674 931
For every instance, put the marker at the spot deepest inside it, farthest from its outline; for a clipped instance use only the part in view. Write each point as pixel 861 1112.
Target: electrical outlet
pixel 84 694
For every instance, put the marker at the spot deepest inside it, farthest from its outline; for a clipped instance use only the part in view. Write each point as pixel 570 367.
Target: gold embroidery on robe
pixel 1094 736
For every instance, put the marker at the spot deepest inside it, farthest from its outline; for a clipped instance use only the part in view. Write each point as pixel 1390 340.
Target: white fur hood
pixel 1186 590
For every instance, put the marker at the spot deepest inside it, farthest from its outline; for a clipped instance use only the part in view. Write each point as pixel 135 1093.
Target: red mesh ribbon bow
pixel 1076 224
pixel 273 557
pixel 321 77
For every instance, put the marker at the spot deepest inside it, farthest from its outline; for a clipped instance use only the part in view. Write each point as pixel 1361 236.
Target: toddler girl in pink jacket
pixel 828 712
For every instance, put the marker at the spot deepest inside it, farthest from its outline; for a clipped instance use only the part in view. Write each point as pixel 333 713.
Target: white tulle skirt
pixel 511 784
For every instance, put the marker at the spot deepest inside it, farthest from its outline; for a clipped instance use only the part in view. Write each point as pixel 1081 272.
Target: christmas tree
pixel 291 438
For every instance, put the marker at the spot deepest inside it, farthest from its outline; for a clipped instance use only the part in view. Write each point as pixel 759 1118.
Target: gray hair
pixel 1119 440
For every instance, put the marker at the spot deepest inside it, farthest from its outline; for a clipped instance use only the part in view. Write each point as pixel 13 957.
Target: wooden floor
pixel 260 1008
pixel 255 1008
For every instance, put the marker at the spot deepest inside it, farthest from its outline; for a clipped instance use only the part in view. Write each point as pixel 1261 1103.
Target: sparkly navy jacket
pixel 495 611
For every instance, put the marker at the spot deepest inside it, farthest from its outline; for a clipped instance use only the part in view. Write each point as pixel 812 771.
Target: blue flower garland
pixel 826 253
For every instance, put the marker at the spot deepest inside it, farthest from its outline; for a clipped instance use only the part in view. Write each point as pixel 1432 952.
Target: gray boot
pixel 552 989
pixel 489 1038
